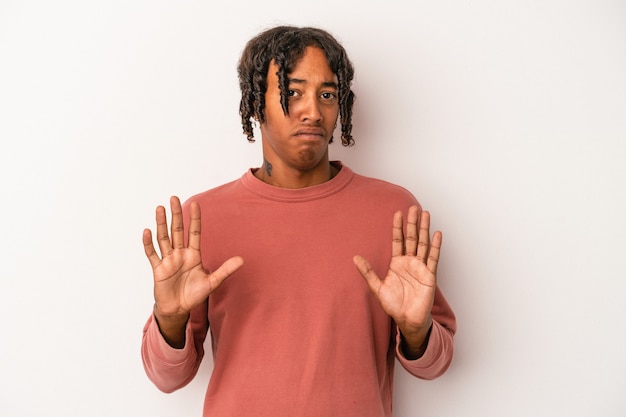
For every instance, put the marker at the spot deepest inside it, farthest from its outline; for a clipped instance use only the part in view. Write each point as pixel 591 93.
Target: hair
pixel 285 46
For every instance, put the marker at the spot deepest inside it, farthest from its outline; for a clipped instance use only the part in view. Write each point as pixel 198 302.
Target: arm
pixel 439 347
pixel 181 289
pixel 170 368
pixel 408 293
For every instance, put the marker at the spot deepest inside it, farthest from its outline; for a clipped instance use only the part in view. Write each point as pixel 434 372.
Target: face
pixel 300 140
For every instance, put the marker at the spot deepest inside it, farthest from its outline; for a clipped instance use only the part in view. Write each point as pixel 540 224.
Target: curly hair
pixel 285 46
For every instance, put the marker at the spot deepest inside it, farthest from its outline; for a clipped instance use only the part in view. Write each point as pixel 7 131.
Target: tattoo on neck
pixel 267 167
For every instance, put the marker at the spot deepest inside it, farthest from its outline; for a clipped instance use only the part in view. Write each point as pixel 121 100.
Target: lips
pixel 310 134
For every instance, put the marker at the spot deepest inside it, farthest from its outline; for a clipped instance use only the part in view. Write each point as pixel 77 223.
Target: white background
pixel 507 119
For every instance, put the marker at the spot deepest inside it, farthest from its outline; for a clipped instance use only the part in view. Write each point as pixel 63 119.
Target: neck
pixel 294 178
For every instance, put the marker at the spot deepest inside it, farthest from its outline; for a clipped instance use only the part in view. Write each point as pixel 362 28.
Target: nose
pixel 311 110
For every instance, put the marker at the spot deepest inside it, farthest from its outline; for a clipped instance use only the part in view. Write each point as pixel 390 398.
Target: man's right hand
pixel 180 281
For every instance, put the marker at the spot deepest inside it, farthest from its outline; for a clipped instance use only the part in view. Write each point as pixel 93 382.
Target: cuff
pixel 162 351
pixel 436 357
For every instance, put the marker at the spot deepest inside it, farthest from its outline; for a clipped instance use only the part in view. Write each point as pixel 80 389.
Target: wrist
pixel 414 340
pixel 176 318
pixel 172 327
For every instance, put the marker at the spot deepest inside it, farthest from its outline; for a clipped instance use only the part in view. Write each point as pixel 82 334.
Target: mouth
pixel 310 134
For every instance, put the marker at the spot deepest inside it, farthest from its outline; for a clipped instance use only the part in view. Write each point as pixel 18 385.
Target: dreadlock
pixel 285 46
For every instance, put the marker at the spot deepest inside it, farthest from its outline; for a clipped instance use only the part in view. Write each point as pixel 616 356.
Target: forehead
pixel 313 64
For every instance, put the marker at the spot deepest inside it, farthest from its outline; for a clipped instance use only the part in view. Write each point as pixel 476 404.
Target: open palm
pixel 407 292
pixel 180 281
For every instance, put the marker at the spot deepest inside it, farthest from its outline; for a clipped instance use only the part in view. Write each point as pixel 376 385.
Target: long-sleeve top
pixel 296 331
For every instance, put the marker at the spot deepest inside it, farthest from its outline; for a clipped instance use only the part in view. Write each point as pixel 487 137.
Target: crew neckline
pixel 314 192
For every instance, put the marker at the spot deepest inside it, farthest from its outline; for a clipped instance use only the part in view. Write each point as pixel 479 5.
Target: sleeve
pixel 169 368
pixel 439 351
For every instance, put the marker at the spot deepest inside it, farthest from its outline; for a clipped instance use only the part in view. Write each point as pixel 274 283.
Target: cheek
pixel 332 116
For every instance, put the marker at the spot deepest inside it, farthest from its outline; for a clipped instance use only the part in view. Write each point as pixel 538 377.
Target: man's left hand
pixel 408 291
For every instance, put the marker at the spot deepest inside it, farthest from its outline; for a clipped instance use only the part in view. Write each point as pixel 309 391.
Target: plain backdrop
pixel 507 119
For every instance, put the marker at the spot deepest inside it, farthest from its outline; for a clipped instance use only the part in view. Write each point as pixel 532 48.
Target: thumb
pixel 229 267
pixel 368 273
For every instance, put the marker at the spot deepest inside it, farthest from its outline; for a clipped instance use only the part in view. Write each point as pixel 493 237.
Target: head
pixel 284 46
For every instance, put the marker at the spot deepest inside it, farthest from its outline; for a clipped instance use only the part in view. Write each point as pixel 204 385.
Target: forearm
pixel 168 368
pixel 172 327
pixel 438 346
pixel 414 340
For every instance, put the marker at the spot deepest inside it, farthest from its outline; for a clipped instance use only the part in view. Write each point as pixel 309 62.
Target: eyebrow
pixel 324 84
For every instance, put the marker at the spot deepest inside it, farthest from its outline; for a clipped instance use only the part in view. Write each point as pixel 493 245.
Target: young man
pixel 334 273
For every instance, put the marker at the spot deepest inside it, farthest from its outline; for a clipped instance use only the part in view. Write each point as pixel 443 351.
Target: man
pixel 333 273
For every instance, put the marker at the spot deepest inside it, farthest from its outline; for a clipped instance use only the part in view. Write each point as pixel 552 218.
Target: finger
pixel 163 240
pixel 373 281
pixel 224 271
pixel 435 250
pixel 411 231
pixel 194 227
pixel 148 248
pixel 397 236
pixel 178 235
pixel 423 245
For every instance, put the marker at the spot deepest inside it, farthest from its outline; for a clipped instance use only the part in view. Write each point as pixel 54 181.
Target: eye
pixel 328 96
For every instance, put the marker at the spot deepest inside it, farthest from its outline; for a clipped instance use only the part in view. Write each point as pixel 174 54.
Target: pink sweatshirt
pixel 296 331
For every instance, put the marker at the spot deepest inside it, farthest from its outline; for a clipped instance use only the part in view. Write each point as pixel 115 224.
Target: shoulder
pixel 216 196
pixel 379 188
